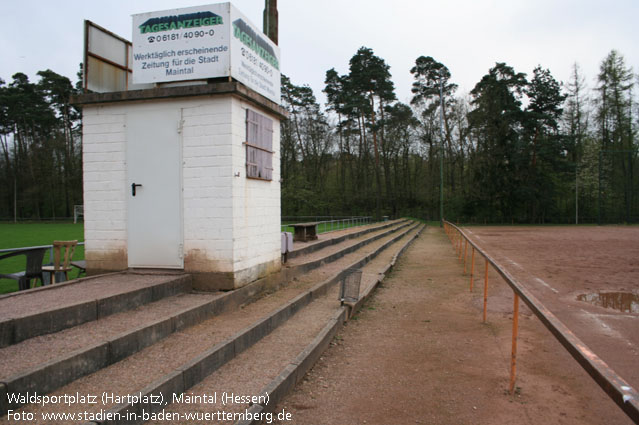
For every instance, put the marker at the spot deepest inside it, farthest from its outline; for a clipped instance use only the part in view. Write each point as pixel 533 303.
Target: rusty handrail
pixel 625 396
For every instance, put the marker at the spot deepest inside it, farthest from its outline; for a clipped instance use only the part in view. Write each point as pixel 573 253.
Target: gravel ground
pixel 252 370
pixel 419 353
pixel 575 261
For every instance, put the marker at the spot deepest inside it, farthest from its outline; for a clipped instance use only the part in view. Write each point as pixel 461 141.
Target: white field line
pixel 626 316
pixel 522 269
pixel 546 285
pixel 513 263
pixel 607 329
pixel 601 323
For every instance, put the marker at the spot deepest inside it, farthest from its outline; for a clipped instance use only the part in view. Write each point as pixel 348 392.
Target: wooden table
pixel 304 232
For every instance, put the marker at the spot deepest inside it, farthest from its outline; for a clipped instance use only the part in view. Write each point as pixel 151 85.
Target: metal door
pixel 154 187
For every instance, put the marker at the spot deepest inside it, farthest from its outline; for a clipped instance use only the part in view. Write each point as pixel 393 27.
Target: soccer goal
pixel 78 211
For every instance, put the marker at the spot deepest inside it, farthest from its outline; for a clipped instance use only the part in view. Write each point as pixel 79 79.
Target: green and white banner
pixel 204 42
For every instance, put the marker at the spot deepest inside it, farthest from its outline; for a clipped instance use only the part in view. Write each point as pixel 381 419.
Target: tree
pixel 305 135
pixel 396 155
pixel 433 93
pixel 40 145
pixel 337 101
pixel 429 76
pixel 575 126
pixel 57 90
pixel 546 147
pixel 617 132
pixel 615 103
pixel 496 123
pixel 370 78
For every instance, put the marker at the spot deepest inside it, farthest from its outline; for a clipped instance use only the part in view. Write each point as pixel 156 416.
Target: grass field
pixel 324 227
pixel 34 234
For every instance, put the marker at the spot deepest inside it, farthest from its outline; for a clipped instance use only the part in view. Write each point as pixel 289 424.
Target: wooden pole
pixel 472 268
pixel 460 246
pixel 486 290
pixel 513 357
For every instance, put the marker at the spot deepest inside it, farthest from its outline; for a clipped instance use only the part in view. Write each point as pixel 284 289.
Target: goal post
pixel 78 211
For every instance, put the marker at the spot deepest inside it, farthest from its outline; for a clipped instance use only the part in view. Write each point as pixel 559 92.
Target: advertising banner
pixel 255 59
pixel 204 42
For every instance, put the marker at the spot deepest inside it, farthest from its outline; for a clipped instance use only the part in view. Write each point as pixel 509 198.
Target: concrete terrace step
pixel 307 336
pixel 48 309
pixel 51 361
pixel 251 372
pixel 332 252
pixel 237 328
pixel 44 363
pixel 331 238
pixel 271 367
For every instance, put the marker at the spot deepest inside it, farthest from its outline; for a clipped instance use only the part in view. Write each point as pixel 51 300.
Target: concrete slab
pixel 52 308
pixel 206 363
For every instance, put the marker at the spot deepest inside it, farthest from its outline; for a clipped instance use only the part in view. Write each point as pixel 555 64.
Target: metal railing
pixel 626 397
pixel 327 223
pixel 26 248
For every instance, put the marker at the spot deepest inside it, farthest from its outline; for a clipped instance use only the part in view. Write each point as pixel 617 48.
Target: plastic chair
pixel 33 269
pixel 65 266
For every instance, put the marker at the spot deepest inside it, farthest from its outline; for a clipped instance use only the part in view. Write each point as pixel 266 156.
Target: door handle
pixel 133 186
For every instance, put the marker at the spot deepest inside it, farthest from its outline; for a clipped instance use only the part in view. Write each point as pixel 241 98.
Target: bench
pixel 304 232
pixel 81 265
pixel 33 268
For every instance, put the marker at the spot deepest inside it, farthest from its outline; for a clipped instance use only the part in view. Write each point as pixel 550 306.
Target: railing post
pixel 465 252
pixel 485 290
pixel 513 357
pixel 472 268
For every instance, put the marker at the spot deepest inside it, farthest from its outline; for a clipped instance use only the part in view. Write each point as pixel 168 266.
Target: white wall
pixel 104 168
pixel 207 176
pixel 231 224
pixel 256 205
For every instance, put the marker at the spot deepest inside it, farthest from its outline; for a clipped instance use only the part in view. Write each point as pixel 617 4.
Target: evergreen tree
pixel 547 151
pixel 496 122
pixel 370 78
pixel 575 127
pixel 617 133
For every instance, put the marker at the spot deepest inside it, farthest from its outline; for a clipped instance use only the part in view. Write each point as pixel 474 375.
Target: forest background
pixel 517 149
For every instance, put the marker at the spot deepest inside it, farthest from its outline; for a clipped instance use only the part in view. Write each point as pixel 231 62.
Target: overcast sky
pixel 468 36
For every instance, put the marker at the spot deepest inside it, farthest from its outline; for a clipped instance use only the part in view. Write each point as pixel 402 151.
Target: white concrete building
pixel 183 178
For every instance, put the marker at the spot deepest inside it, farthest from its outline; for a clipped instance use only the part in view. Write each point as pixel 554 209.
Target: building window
pixel 259 146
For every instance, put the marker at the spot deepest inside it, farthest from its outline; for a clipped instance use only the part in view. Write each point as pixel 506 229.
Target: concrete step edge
pixel 306 267
pixel 18 329
pixel 207 362
pixel 333 241
pixel 294 372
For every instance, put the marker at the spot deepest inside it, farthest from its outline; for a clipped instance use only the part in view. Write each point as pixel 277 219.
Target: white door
pixel 154 187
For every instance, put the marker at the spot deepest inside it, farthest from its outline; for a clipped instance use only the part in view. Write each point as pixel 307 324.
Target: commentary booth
pixel 181 131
